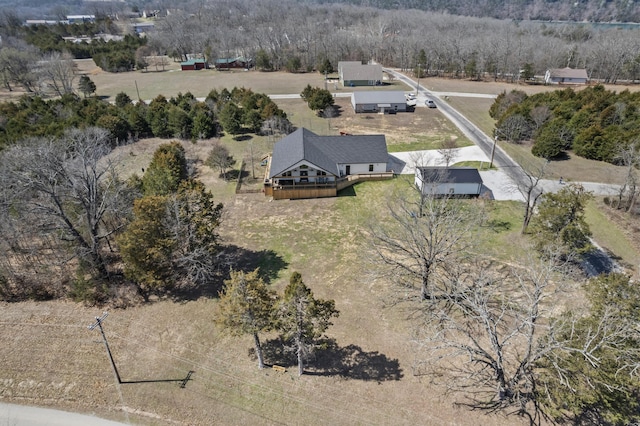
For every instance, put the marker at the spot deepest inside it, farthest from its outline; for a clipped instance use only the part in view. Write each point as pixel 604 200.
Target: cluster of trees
pixel 566 10
pixel 594 122
pixel 184 117
pixel 309 34
pixel 68 222
pixel 495 333
pixel 172 239
pixel 28 51
pixel 50 38
pixel 248 306
pixel 318 99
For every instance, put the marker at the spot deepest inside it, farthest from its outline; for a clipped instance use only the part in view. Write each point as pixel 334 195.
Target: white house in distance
pixel 566 76
pixel 354 73
pixel 379 101
pixel 306 165
pixel 448 181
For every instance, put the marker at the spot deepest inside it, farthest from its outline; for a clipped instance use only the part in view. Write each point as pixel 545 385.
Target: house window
pixel 304 173
pixel 321 173
pixel 370 167
pixel 287 173
pixel 304 166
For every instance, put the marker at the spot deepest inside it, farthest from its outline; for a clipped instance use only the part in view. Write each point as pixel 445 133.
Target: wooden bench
pixel 279 368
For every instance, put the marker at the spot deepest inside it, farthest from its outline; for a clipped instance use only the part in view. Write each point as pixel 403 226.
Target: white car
pixel 430 103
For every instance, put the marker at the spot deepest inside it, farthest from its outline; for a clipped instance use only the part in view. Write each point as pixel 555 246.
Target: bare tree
pixel 448 149
pixel 59 72
pixel 424 237
pixel 482 339
pixel 18 65
pixel 629 157
pixel 71 188
pixel 528 186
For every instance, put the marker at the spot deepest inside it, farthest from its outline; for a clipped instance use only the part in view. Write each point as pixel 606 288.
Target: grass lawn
pixel 50 358
pixel 615 236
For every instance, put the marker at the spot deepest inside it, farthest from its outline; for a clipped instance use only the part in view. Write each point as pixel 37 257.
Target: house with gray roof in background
pixel 379 101
pixel 354 73
pixel 566 76
pixel 306 165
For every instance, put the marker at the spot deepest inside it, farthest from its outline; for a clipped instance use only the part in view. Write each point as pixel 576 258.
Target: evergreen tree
pixel 246 307
pixel 302 319
pixel 560 220
pixel 86 86
pixel 231 118
pixel 167 169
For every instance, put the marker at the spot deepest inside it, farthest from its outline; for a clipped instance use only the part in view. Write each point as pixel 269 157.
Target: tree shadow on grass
pixel 330 359
pixel 269 262
pixel 233 258
pixel 234 174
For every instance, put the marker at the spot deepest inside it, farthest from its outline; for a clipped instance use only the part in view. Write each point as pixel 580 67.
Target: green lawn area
pixel 609 235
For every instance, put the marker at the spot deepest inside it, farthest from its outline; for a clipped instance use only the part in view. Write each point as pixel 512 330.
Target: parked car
pixel 430 103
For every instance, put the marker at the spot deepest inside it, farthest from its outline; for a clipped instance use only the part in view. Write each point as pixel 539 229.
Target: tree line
pixel 236 111
pixel 455 46
pixel 593 123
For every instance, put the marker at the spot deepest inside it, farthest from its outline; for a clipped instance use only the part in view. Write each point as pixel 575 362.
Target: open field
pixel 50 358
pixel 365 379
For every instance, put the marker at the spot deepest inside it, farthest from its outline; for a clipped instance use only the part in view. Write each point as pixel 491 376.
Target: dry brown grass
pixel 50 358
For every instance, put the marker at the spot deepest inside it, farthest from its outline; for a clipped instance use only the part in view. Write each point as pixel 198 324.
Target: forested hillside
pixel 545 10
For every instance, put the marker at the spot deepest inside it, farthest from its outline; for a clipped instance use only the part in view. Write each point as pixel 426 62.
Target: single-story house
pixel 566 76
pixel 357 74
pixel 238 62
pixel 306 165
pixel 143 27
pixel 448 180
pixel 75 19
pixel 194 64
pixel 379 101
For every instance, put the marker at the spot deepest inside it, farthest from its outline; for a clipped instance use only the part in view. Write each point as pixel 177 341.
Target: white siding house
pixel 379 101
pixel 454 181
pixel 314 166
pixel 566 76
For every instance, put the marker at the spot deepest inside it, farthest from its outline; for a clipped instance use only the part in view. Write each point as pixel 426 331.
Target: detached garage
pixel 194 64
pixel 379 101
pixel 448 181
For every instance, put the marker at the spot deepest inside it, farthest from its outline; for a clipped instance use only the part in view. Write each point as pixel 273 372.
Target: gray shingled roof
pixel 450 175
pixel 379 97
pixel 358 72
pixel 326 152
pixel 568 73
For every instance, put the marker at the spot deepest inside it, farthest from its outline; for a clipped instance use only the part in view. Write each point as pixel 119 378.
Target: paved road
pixel 486 143
pixel 21 415
pixel 482 140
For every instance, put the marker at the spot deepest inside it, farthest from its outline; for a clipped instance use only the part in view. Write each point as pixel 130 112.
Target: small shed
pixel 566 76
pixel 379 101
pixel 449 181
pixel 194 64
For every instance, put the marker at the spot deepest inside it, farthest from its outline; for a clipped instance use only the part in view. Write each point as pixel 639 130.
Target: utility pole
pixel 98 324
pixel 418 85
pixel 493 151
